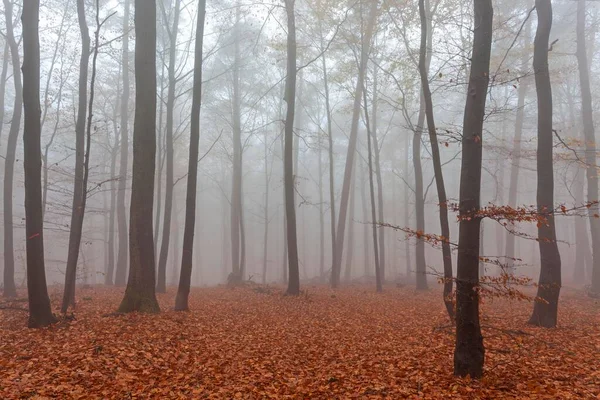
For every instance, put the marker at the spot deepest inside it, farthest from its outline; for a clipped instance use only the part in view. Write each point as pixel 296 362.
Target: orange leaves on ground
pixel 254 344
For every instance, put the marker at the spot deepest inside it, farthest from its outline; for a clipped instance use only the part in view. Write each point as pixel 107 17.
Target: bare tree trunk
pixel 159 159
pixel 351 229
pixel 516 153
pixel 436 158
pixel 469 352
pixel 407 206
pixel 421 267
pixel 290 98
pixel 185 278
pixel 140 293
pixel 321 216
pixel 79 190
pixel 161 286
pixel 545 312
pixel 121 274
pixel 3 74
pixel 376 151
pixel 10 289
pixel 364 57
pixel 378 280
pixel 590 151
pixel 40 313
pixel 285 242
pixel 365 216
pixel 110 268
pixel 266 210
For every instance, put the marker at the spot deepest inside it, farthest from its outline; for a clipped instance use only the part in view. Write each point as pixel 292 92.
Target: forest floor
pixel 254 343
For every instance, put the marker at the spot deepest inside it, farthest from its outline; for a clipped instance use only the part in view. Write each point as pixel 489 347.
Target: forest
pixel 299 199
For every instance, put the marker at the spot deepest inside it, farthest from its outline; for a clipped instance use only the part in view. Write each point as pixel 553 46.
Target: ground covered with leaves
pixel 254 343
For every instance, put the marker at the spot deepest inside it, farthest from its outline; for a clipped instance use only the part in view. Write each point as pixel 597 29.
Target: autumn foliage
pixel 254 343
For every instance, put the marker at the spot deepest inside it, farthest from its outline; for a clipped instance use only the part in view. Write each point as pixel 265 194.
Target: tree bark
pixel 377 164
pixel 185 277
pixel 121 274
pixel 351 230
pixel 3 74
pixel 40 313
pixel 10 289
pixel 266 210
pixel 545 311
pixel 364 57
pixel 469 352
pixel 290 98
pixel 590 144
pixel 140 292
pixel 421 267
pixel 161 286
pixel 79 191
pixel 436 158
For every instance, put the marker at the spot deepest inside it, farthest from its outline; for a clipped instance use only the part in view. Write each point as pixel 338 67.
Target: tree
pixel 590 146
pixel 364 57
pixel 181 301
pixel 545 311
pixel 469 351
pixel 437 164
pixel 121 273
pixel 40 313
pixel 161 286
pixel 10 289
pixel 288 156
pixel 140 292
pixel 79 187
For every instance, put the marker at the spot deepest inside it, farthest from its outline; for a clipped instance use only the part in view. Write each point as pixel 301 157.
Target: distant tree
pixel 10 289
pixel 140 293
pixel 121 272
pixel 181 301
pixel 288 156
pixel 469 351
pixel 545 311
pixel 40 313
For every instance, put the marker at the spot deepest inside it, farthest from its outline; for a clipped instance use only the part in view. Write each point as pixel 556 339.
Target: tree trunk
pixel 407 206
pixel 140 292
pixel 516 153
pixel 469 352
pixel 436 158
pixel 40 313
pixel 421 267
pixel 3 74
pixel 364 57
pixel 110 268
pixel 10 289
pixel 266 211
pixel 365 216
pixel 545 311
pixel 376 151
pixel 79 191
pixel 321 216
pixel 161 286
pixel 378 280
pixel 590 150
pixel 290 98
pixel 121 274
pixel 185 277
pixel 351 230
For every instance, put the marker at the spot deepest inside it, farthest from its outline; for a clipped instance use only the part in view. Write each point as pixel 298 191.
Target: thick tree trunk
pixel 185 278
pixel 469 351
pixel 436 158
pixel 79 190
pixel 545 311
pixel 140 293
pixel 121 274
pixel 364 57
pixel 40 313
pixel 290 98
pixel 590 143
pixel 161 286
pixel 10 289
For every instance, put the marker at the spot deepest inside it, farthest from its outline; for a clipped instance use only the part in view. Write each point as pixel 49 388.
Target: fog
pixel 245 42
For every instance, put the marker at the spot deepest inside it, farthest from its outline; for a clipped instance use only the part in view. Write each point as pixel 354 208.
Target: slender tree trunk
pixel 469 352
pixel 516 153
pixel 79 191
pixel 376 152
pixel 290 98
pixel 140 292
pixel 121 274
pixel 378 280
pixel 159 160
pixel 435 155
pixel 321 216
pixel 407 206
pixel 266 210
pixel 545 312
pixel 285 242
pixel 421 267
pixel 185 278
pixel 3 74
pixel 10 289
pixel 590 151
pixel 365 216
pixel 161 286
pixel 40 313
pixel 351 229
pixel 364 57
pixel 110 268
